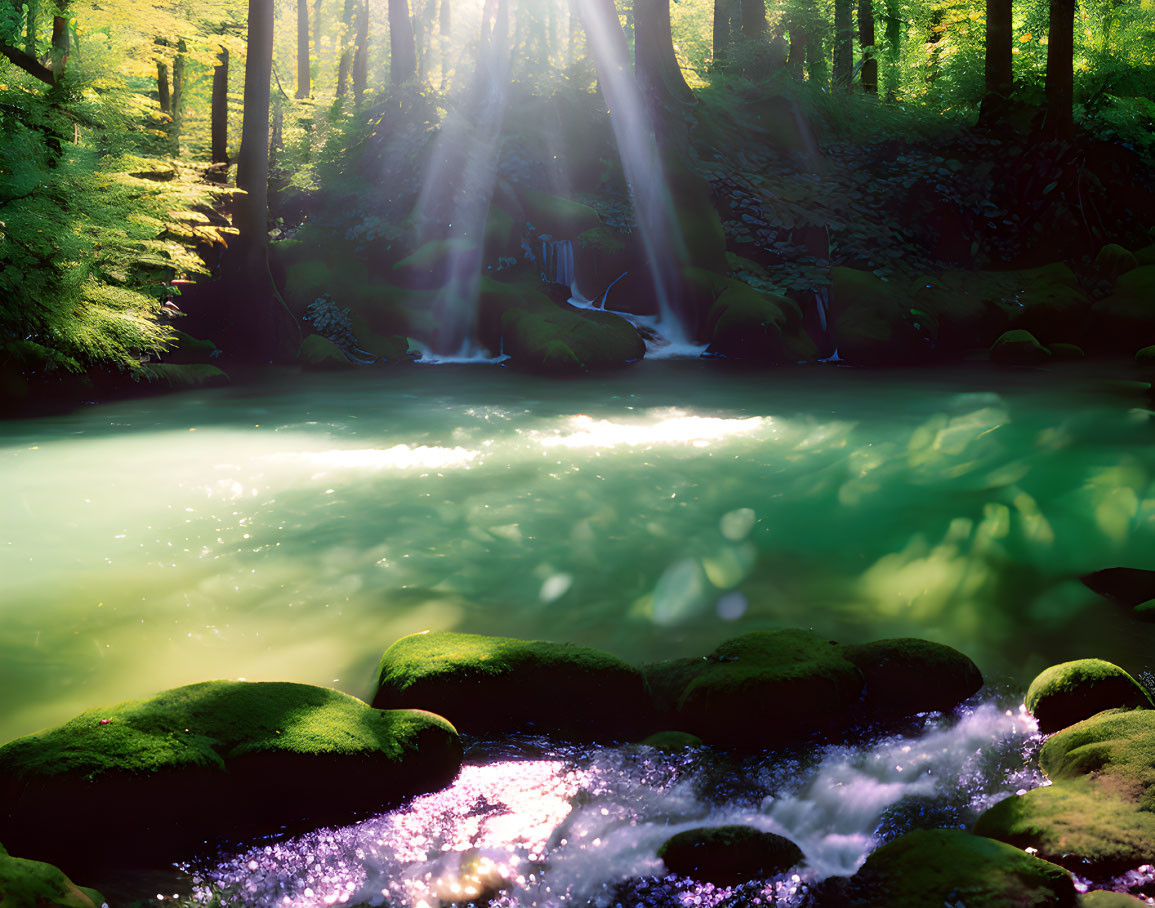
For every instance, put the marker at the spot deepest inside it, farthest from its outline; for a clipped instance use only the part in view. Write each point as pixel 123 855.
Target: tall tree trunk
pixel 444 30
pixel 934 40
pixel 869 72
pixel 797 53
pixel 346 60
pixel 998 70
pixel 361 53
pixel 1060 88
pixel 816 58
pixel 753 18
pixel 722 14
pixel 178 87
pixel 31 27
pixel 843 44
pixel 893 47
pixel 162 89
pixel 220 109
pixel 655 63
pixel 304 79
pixel 402 47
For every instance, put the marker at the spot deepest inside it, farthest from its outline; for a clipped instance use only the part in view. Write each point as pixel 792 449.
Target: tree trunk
pixel 893 47
pixel 934 40
pixel 869 72
pixel 843 44
pixel 722 15
pixel 178 86
pixel 402 48
pixel 346 50
pixel 1060 68
pixel 797 53
pixel 999 78
pixel 753 18
pixel 655 63
pixel 304 79
pixel 162 90
pixel 361 53
pixel 220 109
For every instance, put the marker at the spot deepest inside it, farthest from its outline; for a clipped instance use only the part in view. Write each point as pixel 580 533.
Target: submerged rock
pixel 33 884
pixel 729 855
pixel 1018 348
pixel 1098 815
pixel 493 685
pixel 155 779
pixel 1072 691
pixel 320 354
pixel 907 675
pixel 936 867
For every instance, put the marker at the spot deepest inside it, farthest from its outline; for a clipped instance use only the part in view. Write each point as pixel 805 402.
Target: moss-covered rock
pixel 1103 898
pixel 197 765
pixel 759 327
pixel 319 354
pixel 1098 816
pixel 1061 352
pixel 769 687
pixel 184 377
pixel 494 685
pixel 871 322
pixel 33 884
pixel 907 675
pixel 937 867
pixel 188 349
pixel 564 341
pixel 341 277
pixel 1114 260
pixel 560 218
pixel 1125 321
pixel 1019 348
pixel 671 741
pixel 729 855
pixel 1072 691
pixel 391 348
pixel 1146 355
pixel 500 236
pixel 1046 301
pixel 432 264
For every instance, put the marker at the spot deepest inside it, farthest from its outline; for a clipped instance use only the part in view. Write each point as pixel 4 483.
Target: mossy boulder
pixel 1019 348
pixel 729 855
pixel 194 766
pixel 671 741
pixel 500 236
pixel 907 675
pixel 1098 815
pixel 340 276
pixel 871 322
pixel 391 348
pixel 758 327
pixel 1114 260
pixel 563 341
pixel 1127 586
pixel 560 218
pixel 1125 321
pixel 1061 352
pixel 34 884
pixel 183 377
pixel 319 354
pixel 936 867
pixel 1104 898
pixel 1072 691
pixel 188 349
pixel 769 687
pixel 433 263
pixel 1046 301
pixel 497 685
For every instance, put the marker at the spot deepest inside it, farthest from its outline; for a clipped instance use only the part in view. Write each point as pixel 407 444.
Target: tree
pixel 346 62
pixel 655 63
pixel 220 110
pixel 1060 68
pixel 304 79
pixel 723 13
pixel 402 49
pixel 998 73
pixel 753 19
pixel 361 52
pixel 843 44
pixel 869 73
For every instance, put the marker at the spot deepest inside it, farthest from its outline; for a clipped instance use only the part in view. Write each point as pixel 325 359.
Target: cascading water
pixel 527 823
pixel 557 262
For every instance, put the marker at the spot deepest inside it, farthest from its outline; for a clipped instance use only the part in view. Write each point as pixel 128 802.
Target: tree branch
pixel 29 64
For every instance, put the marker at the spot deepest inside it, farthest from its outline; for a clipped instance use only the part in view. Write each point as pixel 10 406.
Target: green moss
pixel 1018 348
pixel 1102 898
pixel 737 264
pixel 341 276
pixel 318 354
pixel 671 741
pixel 1071 691
pixel 500 237
pixel 1125 320
pixel 729 855
pixel 559 217
pixel 602 240
pixel 251 757
pixel 568 340
pixel 908 675
pixel 184 377
pixel 1113 260
pixel 499 684
pixel 768 687
pixel 951 867
pixel 1067 352
pixel 761 327
pixel 871 323
pixel 430 266
pixel 33 884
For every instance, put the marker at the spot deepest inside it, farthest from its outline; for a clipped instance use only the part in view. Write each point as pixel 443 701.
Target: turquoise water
pixel 293 528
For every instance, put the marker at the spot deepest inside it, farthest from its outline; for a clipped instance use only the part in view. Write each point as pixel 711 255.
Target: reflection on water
pixel 294 534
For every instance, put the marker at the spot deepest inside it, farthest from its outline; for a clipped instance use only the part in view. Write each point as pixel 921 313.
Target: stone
pixel 499 685
pixel 1072 691
pixel 566 341
pixel 870 322
pixel 1114 260
pixel 188 768
pixel 1125 321
pixel 1102 898
pixel 729 855
pixel 671 741
pixel 757 327
pixel 1127 586
pixel 1018 348
pixel 319 354
pixel 907 675
pixel 34 884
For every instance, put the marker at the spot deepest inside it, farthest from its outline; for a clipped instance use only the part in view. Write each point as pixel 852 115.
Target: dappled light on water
pixel 666 428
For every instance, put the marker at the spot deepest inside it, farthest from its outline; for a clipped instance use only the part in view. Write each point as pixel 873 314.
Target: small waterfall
pixel 557 261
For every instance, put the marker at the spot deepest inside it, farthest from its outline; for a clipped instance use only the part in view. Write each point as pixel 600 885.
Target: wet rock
pixel 671 741
pixel 319 354
pixel 1125 320
pixel 951 867
pixel 1114 260
pixel 758 327
pixel 907 675
pixel 33 884
pixel 566 341
pixel 1128 586
pixel 1072 691
pixel 1019 348
pixel 496 685
pixel 194 766
pixel 729 855
pixel 1066 352
pixel 1097 817
pixel 871 324
pixel 1102 898
pixel 769 687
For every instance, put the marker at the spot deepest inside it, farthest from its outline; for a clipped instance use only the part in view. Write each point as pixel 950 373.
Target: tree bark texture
pixel 721 37
pixel 753 18
pixel 402 46
pixel 304 78
pixel 178 86
pixel 1060 90
pixel 162 88
pixel 655 63
pixel 346 60
pixel 999 79
pixel 869 71
pixel 361 52
pixel 843 44
pixel 893 47
pixel 220 109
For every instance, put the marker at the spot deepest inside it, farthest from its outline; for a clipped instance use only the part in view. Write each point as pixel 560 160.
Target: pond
pixel 292 527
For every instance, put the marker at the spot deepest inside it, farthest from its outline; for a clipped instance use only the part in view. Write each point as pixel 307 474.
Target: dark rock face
pixel 495 685
pixel 221 760
pixel 729 855
pixel 1128 586
pixel 907 675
